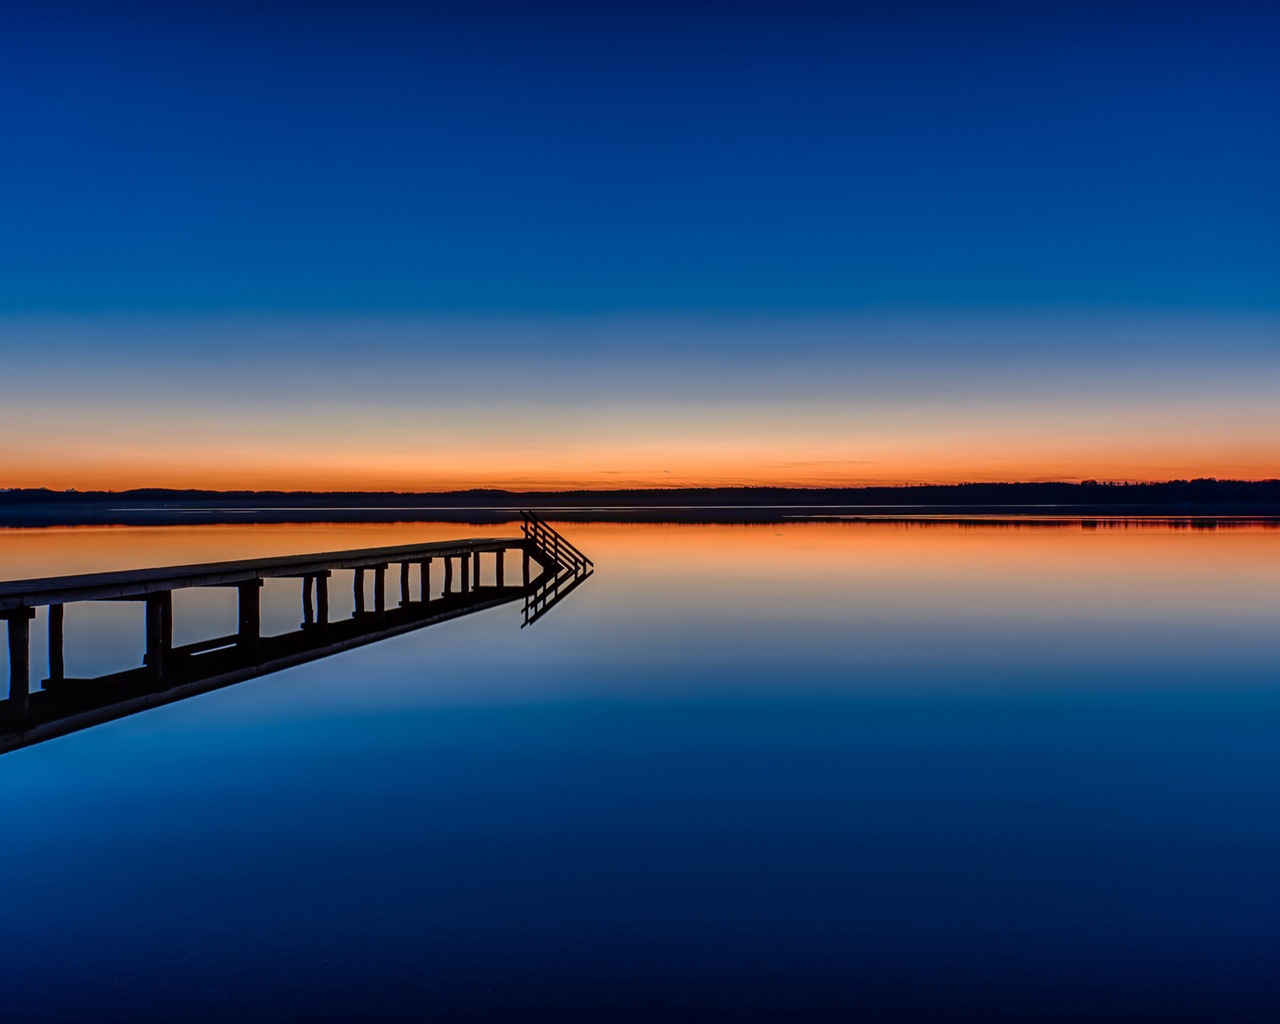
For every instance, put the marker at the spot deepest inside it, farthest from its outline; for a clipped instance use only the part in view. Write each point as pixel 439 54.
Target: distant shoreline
pixel 1195 499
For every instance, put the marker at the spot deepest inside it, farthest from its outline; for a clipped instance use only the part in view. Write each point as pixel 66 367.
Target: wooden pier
pixel 550 567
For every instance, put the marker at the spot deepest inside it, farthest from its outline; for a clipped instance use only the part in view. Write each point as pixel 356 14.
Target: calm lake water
pixel 816 771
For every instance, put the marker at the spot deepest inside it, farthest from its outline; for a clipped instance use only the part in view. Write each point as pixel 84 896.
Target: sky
pixel 553 245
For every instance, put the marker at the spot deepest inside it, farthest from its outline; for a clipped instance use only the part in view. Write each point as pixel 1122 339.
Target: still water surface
pixel 816 771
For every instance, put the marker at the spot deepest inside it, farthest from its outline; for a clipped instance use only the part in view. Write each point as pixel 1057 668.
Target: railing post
pixel 249 637
pixel 19 658
pixel 57 665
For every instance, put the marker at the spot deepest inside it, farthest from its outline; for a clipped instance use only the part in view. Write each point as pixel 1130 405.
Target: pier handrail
pixel 546 538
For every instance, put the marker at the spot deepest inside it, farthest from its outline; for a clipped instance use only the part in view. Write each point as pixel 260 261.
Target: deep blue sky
pixel 536 157
pixel 543 245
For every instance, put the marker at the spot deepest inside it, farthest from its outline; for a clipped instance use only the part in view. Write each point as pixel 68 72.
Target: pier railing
pixel 551 541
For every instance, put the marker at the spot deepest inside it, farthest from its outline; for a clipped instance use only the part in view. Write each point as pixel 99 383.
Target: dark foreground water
pixel 807 772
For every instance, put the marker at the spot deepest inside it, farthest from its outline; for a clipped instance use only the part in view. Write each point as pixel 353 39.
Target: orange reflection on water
pixel 879 603
pixel 1131 567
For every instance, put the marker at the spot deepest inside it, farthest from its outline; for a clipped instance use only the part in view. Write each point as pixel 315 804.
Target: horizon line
pixel 1086 483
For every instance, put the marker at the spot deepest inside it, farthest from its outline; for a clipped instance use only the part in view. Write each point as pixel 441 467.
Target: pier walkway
pixel 548 569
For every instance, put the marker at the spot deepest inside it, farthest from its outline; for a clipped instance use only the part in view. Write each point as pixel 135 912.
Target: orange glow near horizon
pixel 405 472
pixel 1151 555
pixel 904 411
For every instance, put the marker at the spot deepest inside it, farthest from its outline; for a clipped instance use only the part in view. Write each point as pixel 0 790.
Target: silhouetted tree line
pixel 1176 493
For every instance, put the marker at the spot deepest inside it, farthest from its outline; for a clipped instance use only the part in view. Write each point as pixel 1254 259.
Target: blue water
pixel 778 781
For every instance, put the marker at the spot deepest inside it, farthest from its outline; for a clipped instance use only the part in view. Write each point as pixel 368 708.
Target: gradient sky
pixel 554 244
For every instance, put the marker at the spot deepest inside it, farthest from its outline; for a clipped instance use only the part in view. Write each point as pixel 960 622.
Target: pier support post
pixel 249 637
pixel 424 581
pixel 57 666
pixel 525 562
pixel 19 659
pixel 308 606
pixel 475 572
pixel 380 591
pixel 448 573
pixel 464 564
pixel 499 566
pixel 322 601
pixel 404 584
pixel 358 593
pixel 160 630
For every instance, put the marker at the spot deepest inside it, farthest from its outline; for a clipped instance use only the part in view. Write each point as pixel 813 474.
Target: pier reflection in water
pixel 471 575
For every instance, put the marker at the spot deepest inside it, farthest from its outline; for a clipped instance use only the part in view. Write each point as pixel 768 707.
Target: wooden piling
pixel 380 591
pixel 57 666
pixel 322 601
pixel 160 629
pixel 308 608
pixel 19 658
pixel 249 636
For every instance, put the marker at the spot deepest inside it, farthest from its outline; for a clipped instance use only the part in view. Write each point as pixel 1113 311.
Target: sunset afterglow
pixel 284 403
pixel 572 246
